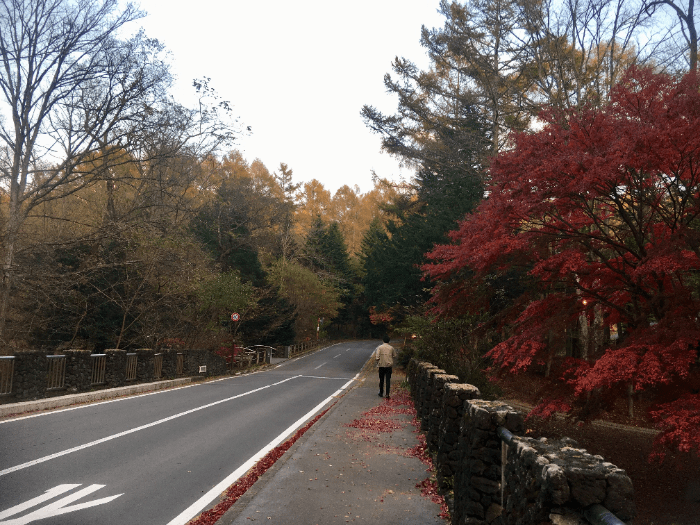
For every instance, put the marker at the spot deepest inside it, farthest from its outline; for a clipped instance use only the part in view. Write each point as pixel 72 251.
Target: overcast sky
pixel 297 72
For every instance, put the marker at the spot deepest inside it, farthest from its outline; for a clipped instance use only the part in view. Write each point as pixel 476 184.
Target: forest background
pixel 550 226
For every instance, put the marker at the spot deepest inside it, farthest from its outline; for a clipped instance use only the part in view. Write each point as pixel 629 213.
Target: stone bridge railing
pixel 519 480
pixel 299 348
pixel 39 374
pixel 36 374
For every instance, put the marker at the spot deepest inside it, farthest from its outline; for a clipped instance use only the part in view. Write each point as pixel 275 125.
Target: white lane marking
pixel 336 357
pixel 126 397
pixel 136 429
pixel 323 377
pixel 319 366
pixel 201 504
pixel 57 507
pixel 89 404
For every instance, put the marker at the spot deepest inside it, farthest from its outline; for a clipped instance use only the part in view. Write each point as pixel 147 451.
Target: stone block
pixel 492 512
pixel 479 417
pixel 474 495
pixel 476 509
pixel 485 485
pixel 528 456
pixel 450 412
pixel 620 495
pixel 449 438
pixel 469 392
pixel 478 437
pixel 586 490
pixel 498 418
pixel 555 484
pixel 515 422
pixel 477 466
pixel 566 517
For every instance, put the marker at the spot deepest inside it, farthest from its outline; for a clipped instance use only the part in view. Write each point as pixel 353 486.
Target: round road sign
pixel 235 317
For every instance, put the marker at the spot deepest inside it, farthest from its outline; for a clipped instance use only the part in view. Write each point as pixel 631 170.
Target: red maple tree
pixel 597 213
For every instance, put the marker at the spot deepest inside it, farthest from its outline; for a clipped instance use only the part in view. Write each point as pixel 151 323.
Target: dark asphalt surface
pixel 147 459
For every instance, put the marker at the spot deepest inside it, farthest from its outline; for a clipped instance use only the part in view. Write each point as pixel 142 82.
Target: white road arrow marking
pixel 49 494
pixel 57 507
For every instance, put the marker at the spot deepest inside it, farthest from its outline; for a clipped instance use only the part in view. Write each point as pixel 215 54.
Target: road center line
pixel 319 366
pixel 136 429
pixel 323 377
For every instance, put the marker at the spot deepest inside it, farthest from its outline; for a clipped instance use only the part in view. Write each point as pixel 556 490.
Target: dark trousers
pixel 384 372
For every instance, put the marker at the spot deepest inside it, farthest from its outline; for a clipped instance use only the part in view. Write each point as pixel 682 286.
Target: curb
pixel 87 397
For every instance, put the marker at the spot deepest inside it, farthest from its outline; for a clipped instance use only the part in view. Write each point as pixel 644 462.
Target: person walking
pixel 384 356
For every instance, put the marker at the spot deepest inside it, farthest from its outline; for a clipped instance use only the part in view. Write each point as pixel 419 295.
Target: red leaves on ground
pixel 376 420
pixel 400 397
pixel 429 490
pixel 386 409
pixel 375 424
pixel 420 451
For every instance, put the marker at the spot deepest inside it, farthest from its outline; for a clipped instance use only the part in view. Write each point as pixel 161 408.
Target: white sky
pixel 298 72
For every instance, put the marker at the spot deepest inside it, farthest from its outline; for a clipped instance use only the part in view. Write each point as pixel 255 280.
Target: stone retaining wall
pixel 449 453
pixel 526 482
pixel 31 370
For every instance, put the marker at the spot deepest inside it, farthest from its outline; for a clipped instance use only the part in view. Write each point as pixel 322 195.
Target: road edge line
pixel 198 506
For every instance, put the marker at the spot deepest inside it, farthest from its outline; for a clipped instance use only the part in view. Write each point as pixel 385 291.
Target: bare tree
pixel 688 28
pixel 68 87
pixel 80 102
pixel 580 47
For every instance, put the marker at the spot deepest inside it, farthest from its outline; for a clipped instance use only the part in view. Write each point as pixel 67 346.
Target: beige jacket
pixel 385 355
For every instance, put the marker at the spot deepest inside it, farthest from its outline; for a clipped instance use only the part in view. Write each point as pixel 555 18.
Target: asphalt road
pixel 161 458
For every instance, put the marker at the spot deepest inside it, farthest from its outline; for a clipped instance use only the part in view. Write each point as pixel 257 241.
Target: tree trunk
pixel 11 234
pixel 630 400
pixel 584 336
pixel 6 285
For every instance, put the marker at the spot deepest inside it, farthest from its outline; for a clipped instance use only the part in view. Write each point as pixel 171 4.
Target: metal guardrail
pixel 7 370
pixel 56 376
pixel 99 365
pixel 599 515
pixel 595 514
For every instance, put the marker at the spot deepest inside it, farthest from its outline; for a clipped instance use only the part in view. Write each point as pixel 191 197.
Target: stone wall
pixel 499 476
pixel 449 452
pixel 555 477
pixel 30 377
